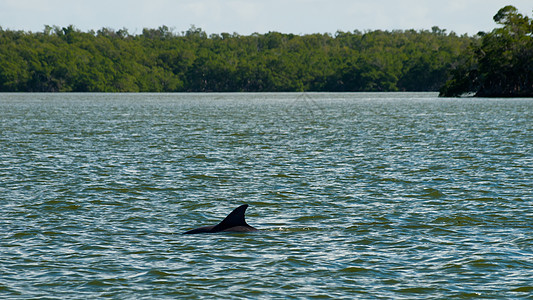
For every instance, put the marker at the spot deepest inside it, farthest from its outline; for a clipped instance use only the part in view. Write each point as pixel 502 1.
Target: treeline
pixel 500 64
pixel 160 60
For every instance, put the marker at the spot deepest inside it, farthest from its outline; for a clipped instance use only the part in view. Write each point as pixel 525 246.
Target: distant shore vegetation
pixel 498 63
pixel 65 59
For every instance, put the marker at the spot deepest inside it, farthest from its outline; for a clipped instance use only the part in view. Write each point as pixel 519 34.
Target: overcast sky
pixel 249 16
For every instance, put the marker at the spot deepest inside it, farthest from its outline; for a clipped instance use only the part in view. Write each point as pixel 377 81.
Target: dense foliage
pixel 159 60
pixel 500 64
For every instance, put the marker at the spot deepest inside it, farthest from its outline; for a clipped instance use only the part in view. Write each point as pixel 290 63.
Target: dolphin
pixel 234 222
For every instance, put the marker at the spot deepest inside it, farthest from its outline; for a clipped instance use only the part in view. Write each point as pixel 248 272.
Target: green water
pixel 371 196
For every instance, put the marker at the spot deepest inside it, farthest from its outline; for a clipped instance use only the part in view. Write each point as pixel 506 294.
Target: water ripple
pixel 402 196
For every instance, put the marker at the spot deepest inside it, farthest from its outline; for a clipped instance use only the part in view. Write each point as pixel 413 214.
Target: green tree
pixel 63 59
pixel 501 65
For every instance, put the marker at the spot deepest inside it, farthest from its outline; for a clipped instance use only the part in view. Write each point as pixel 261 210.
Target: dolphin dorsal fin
pixel 235 218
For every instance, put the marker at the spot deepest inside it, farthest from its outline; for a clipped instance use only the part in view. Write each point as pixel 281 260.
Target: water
pixel 369 196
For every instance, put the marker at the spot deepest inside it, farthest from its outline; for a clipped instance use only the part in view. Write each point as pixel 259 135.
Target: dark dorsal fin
pixel 235 218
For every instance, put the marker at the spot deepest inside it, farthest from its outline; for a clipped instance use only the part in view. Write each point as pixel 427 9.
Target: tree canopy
pixel 499 63
pixel 65 59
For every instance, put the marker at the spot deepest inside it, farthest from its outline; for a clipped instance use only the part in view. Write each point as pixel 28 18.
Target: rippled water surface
pixel 403 196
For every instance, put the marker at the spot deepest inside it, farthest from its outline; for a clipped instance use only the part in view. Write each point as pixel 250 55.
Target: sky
pixel 248 16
